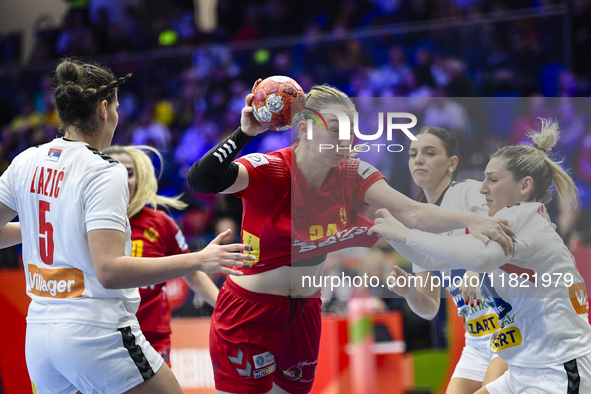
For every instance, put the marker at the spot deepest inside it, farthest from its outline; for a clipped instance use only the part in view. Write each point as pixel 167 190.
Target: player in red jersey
pixel 298 206
pixel 155 234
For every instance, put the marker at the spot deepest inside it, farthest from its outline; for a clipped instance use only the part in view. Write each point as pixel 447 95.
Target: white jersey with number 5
pixel 61 191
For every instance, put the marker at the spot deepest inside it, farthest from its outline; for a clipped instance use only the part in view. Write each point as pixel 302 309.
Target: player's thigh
pixel 471 366
pixel 496 369
pixel 162 382
pixel 462 386
pixel 227 392
pixel 298 358
pixel 278 390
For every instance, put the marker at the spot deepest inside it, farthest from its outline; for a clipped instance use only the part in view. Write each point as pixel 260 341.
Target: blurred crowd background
pixel 523 59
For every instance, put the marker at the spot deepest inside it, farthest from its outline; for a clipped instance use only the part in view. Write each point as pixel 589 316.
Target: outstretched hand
pixel 217 258
pixel 487 228
pixel 389 227
pixel 395 285
pixel 248 123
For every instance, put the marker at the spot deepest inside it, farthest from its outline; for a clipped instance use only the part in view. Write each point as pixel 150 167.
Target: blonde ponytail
pixel 534 161
pixel 146 183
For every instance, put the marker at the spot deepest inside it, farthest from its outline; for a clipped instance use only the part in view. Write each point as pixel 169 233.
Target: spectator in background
pixel 459 84
pixel 419 94
pixel 150 131
pixel 391 74
pixel 250 29
pixel 424 63
pixel 198 139
pixel 448 114
pixel 536 107
pixel 572 125
pixel 567 84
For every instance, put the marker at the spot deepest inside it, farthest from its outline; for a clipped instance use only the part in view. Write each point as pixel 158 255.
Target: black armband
pixel 215 171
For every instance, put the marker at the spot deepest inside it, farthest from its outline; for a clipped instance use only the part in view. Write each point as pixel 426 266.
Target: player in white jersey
pixel 433 165
pixel 538 294
pixel 82 333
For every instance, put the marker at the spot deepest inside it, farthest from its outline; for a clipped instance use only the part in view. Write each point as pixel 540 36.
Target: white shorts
pixel 573 377
pixel 473 363
pixel 64 358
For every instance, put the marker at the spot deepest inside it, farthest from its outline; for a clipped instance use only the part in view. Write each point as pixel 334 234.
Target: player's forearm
pixel 431 218
pixel 10 235
pixel 461 252
pixel 215 171
pixel 420 258
pixel 202 284
pixel 124 272
pixel 422 304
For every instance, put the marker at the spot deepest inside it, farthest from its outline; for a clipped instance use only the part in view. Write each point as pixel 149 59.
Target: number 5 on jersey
pixel 45 234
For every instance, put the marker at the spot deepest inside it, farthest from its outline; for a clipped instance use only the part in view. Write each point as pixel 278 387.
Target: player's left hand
pixel 470 288
pixel 248 123
pixel 487 228
pixel 389 227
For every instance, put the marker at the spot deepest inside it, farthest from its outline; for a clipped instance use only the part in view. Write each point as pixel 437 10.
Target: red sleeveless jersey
pixel 286 222
pixel 155 234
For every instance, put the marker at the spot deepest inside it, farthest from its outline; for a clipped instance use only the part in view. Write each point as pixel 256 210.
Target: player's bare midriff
pixel 283 281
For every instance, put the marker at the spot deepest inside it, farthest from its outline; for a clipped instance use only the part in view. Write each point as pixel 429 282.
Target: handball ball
pixel 276 99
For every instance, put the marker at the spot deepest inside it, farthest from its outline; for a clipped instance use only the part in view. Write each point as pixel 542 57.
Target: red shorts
pixel 251 348
pixel 161 343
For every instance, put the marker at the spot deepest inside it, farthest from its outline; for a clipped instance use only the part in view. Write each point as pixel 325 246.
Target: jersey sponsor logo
pixel 482 325
pixel 506 338
pixel 53 154
pixel 137 248
pixel 263 359
pixel 578 298
pixel 292 373
pixel 365 169
pixel 340 236
pixel 264 372
pixel 255 242
pixel 55 283
pixel 256 159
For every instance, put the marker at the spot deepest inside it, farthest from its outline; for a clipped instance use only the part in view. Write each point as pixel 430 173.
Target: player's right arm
pixel 10 233
pixel 114 270
pixel 422 298
pixel 105 197
pixel 216 172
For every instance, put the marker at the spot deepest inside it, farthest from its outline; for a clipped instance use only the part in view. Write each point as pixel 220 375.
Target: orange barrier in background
pixel 14 303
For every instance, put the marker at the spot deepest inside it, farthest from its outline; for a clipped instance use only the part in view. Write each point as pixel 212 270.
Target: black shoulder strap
pixel 101 154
